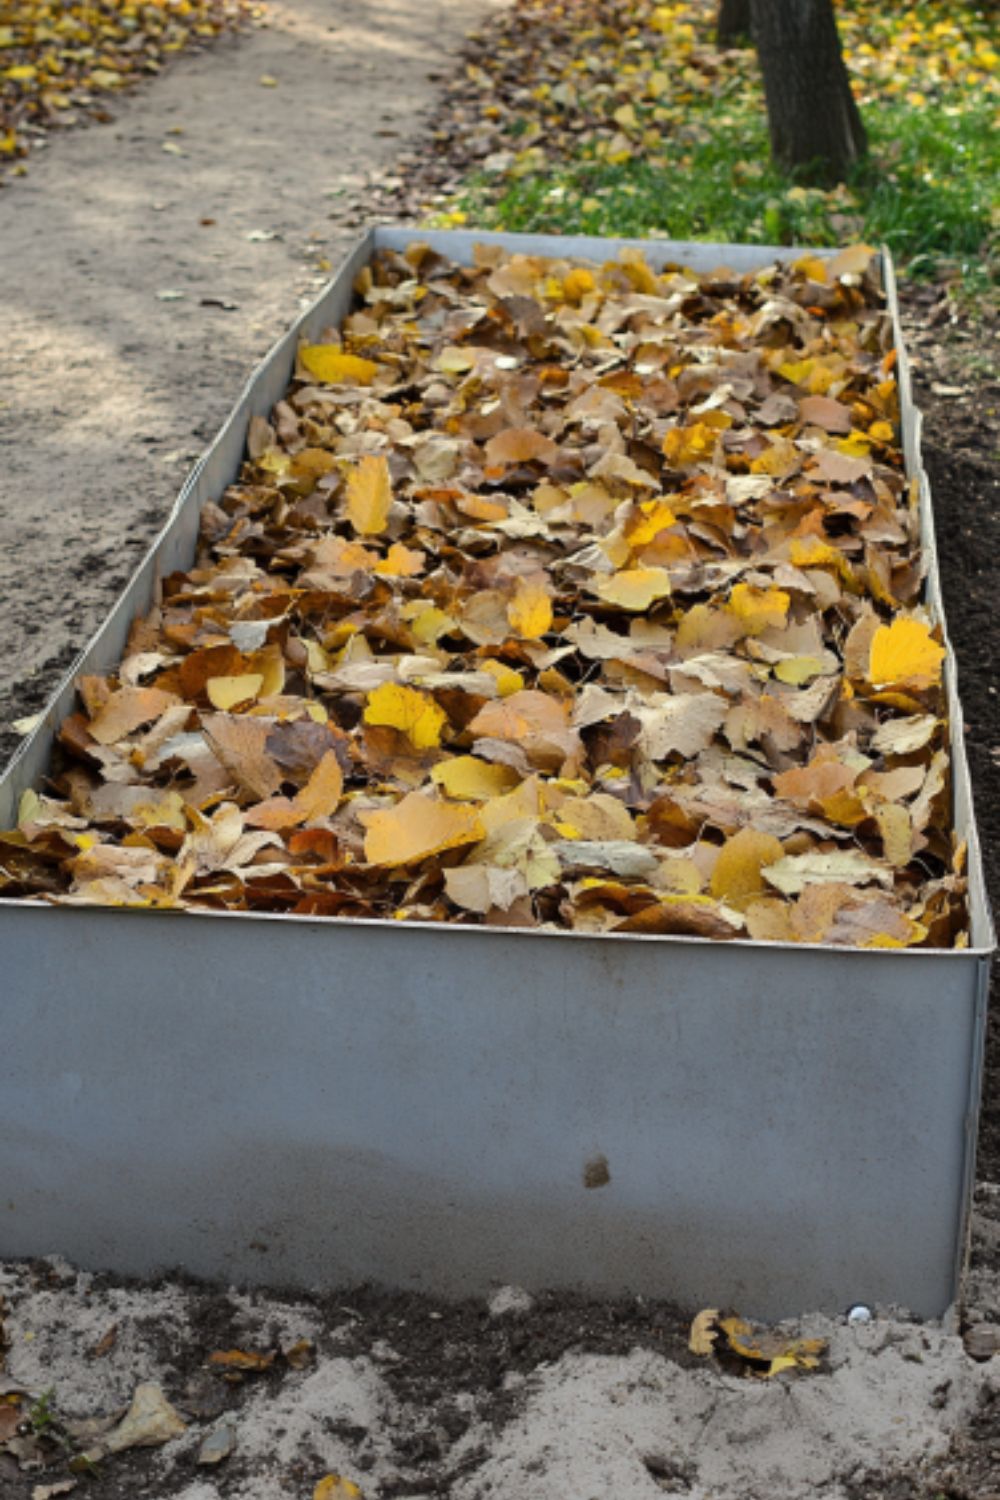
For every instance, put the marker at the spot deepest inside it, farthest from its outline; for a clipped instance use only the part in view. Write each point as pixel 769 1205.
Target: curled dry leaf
pixel 502 622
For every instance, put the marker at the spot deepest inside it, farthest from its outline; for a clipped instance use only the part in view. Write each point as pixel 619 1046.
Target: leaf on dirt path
pixel 334 1487
pixel 751 1351
pixel 247 1360
pixel 416 827
pixel 369 496
pixel 704 1331
pixel 149 1422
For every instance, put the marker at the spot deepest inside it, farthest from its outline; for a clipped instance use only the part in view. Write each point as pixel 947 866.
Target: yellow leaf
pixel 467 778
pixel 226 692
pixel 530 610
pixel 508 681
pixel 576 285
pixel 418 826
pixel 736 877
pixel 21 73
pixel 905 654
pixel 816 554
pixel 689 445
pixel 649 519
pixel 634 588
pixel 797 670
pixel 333 1487
pixel 401 562
pixel 369 495
pixel 407 709
pixel 704 1331
pixel 328 363
pixel 759 609
pixel 428 623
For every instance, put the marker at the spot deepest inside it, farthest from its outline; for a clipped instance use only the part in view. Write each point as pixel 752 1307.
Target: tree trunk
pixel 816 127
pixel 732 29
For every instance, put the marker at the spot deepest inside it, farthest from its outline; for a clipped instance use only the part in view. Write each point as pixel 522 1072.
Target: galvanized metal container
pixel 304 1101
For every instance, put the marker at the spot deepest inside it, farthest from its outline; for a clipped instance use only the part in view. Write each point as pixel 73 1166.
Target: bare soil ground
pixel 109 389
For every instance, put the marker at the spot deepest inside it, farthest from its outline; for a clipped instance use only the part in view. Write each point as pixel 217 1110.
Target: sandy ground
pixel 117 364
pixel 405 1397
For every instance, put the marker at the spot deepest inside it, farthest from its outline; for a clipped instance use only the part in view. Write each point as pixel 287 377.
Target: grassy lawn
pixel 623 117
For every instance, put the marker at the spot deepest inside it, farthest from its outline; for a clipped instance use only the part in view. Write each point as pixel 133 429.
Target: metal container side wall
pixel 943 1024
pixel 781 1130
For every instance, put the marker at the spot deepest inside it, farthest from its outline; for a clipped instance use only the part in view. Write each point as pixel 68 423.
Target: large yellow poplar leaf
pixel 369 495
pixel 759 609
pixel 469 779
pixel 577 283
pixel 226 692
pixel 329 363
pixel 530 610
pixel 507 680
pixel 417 827
pixel 634 588
pixel 736 877
pixel 649 518
pixel 414 713
pixel 905 654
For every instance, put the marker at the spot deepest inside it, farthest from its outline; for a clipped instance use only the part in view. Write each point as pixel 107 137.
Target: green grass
pixel 928 190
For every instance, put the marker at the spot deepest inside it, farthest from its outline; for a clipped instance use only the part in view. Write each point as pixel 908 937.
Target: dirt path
pixel 109 386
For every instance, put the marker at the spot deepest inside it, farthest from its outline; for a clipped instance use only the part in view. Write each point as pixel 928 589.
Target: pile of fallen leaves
pixel 551 596
pixel 61 62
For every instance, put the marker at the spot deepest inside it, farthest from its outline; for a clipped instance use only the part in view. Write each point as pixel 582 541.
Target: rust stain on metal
pixel 596 1172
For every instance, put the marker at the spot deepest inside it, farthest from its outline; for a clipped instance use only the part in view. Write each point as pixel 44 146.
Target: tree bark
pixel 816 128
pixel 732 29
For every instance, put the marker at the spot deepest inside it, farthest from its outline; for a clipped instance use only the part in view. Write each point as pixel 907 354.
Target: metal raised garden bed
pixel 301 1100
